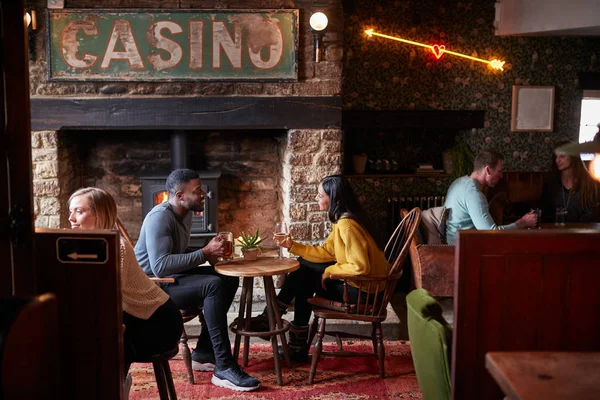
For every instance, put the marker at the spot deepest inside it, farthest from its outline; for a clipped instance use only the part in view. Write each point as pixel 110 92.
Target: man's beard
pixel 196 207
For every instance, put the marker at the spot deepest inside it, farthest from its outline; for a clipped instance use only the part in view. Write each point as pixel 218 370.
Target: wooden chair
pixel 370 310
pixel 432 264
pixel 29 350
pixel 162 373
pixel 187 315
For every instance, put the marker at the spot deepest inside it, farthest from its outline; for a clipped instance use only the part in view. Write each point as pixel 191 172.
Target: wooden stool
pixel 188 315
pixel 265 267
pixel 162 372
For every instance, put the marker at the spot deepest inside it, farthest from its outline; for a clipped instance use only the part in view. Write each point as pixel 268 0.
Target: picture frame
pixel 532 109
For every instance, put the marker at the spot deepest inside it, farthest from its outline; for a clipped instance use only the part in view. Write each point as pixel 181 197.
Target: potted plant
pixel 249 245
pixel 462 159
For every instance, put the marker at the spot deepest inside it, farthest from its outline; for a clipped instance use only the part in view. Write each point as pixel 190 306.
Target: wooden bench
pixel 528 290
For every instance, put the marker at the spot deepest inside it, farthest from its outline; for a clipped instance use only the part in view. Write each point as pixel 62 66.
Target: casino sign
pixel 223 45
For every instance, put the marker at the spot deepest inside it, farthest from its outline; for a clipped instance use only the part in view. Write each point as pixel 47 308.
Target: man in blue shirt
pixel 468 205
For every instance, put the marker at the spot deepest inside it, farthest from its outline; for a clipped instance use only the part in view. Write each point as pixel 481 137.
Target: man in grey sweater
pixel 162 251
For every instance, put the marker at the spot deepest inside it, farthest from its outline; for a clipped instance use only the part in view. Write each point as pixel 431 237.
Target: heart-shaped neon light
pixel 438 50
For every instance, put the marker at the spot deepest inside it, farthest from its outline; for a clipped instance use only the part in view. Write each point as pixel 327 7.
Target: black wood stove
pixel 204 224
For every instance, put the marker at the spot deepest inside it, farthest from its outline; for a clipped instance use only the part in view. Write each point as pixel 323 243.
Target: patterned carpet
pixel 337 377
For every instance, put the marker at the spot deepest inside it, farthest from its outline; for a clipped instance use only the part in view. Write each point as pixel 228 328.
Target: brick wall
pixel 292 163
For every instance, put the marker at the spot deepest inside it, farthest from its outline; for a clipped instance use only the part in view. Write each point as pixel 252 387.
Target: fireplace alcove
pixel 240 169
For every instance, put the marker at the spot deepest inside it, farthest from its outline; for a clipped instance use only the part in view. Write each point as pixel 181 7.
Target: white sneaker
pixel 203 367
pixel 127 386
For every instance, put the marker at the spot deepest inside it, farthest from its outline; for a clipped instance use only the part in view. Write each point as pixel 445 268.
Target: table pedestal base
pixel 277 327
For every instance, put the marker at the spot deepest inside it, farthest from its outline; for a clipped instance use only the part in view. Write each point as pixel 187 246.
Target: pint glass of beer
pixel 228 238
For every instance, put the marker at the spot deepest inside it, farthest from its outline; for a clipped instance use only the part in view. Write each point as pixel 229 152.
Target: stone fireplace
pixel 265 176
pixel 271 141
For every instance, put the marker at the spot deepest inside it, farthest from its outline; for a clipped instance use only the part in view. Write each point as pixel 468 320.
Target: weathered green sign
pixel 219 45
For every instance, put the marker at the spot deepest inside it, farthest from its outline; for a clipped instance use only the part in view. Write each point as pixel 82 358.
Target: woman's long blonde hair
pixel 102 205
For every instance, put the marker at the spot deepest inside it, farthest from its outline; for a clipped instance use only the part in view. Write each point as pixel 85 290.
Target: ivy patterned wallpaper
pixel 382 74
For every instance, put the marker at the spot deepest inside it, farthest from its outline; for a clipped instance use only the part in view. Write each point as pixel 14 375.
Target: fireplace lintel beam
pixel 56 113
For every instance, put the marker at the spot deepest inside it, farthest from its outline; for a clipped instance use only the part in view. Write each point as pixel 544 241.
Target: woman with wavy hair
pixel 152 321
pixel 349 249
pixel 570 188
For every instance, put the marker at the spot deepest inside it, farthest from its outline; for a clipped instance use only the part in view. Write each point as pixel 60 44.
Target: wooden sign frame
pixel 532 109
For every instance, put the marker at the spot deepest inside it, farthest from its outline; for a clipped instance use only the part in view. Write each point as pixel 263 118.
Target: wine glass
pixel 280 234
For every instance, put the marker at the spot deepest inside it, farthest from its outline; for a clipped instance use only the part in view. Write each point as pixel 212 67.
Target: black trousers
pixel 145 337
pixel 216 292
pixel 304 283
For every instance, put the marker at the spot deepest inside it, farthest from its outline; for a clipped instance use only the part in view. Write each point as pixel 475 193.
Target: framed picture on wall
pixel 532 109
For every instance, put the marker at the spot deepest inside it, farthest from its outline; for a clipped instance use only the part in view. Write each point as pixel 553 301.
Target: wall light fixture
pixel 31 22
pixel 318 23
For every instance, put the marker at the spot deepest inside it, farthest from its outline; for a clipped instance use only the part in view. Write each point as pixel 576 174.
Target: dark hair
pixel 343 203
pixel 582 182
pixel 178 178
pixel 487 158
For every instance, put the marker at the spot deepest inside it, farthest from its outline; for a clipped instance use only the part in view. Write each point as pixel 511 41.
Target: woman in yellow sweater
pixel 349 249
pixel 152 321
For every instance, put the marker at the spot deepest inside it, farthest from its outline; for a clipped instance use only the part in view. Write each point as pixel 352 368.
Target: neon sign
pixel 439 50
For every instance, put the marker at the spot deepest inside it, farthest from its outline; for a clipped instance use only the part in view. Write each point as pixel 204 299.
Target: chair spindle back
pixel 395 251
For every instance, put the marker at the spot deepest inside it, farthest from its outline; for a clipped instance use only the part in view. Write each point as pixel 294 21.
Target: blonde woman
pixel 152 321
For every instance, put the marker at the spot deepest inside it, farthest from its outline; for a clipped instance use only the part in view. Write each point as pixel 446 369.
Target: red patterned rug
pixel 337 377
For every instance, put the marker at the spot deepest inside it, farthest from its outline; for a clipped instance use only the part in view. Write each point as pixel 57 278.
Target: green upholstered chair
pixel 430 342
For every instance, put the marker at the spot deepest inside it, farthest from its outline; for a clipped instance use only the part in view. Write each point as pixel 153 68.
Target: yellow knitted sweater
pixel 350 247
pixel 139 295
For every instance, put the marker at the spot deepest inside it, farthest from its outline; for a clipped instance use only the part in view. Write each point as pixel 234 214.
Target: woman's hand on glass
pixel 282 237
pixel 283 240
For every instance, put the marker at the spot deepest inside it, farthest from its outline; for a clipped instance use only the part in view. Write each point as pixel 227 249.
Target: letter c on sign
pixel 69 44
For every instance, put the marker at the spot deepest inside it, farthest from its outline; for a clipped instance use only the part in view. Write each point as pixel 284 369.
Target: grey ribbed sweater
pixel 162 246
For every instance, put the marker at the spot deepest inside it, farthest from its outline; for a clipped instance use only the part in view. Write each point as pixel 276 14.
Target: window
pixel 590 118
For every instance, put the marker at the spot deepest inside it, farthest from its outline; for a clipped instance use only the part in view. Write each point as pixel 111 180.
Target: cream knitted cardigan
pixel 140 296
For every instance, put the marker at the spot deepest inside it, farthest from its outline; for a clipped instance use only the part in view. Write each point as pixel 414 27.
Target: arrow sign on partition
pixel 76 256
pixel 81 250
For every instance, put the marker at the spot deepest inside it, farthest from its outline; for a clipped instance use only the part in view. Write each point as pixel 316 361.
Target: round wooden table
pixel 265 267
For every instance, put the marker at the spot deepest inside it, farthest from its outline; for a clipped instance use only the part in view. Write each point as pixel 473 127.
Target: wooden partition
pixel 522 290
pixel 81 267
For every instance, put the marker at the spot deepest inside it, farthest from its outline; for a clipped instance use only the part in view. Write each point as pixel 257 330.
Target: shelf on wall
pixel 369 176
pixel 426 119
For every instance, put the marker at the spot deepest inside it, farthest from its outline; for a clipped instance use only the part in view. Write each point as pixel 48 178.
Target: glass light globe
pixel 27 19
pixel 318 21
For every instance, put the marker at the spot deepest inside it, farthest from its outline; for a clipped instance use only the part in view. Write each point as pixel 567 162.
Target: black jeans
pixel 304 283
pixel 145 337
pixel 204 285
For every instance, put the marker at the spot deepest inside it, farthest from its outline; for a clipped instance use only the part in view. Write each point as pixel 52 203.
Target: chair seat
pixel 331 314
pixel 165 355
pixel 190 313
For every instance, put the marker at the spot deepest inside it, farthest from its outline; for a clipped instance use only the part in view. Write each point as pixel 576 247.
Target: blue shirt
pixel 468 209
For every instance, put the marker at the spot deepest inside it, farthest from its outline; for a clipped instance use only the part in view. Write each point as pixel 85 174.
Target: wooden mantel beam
pixel 58 113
